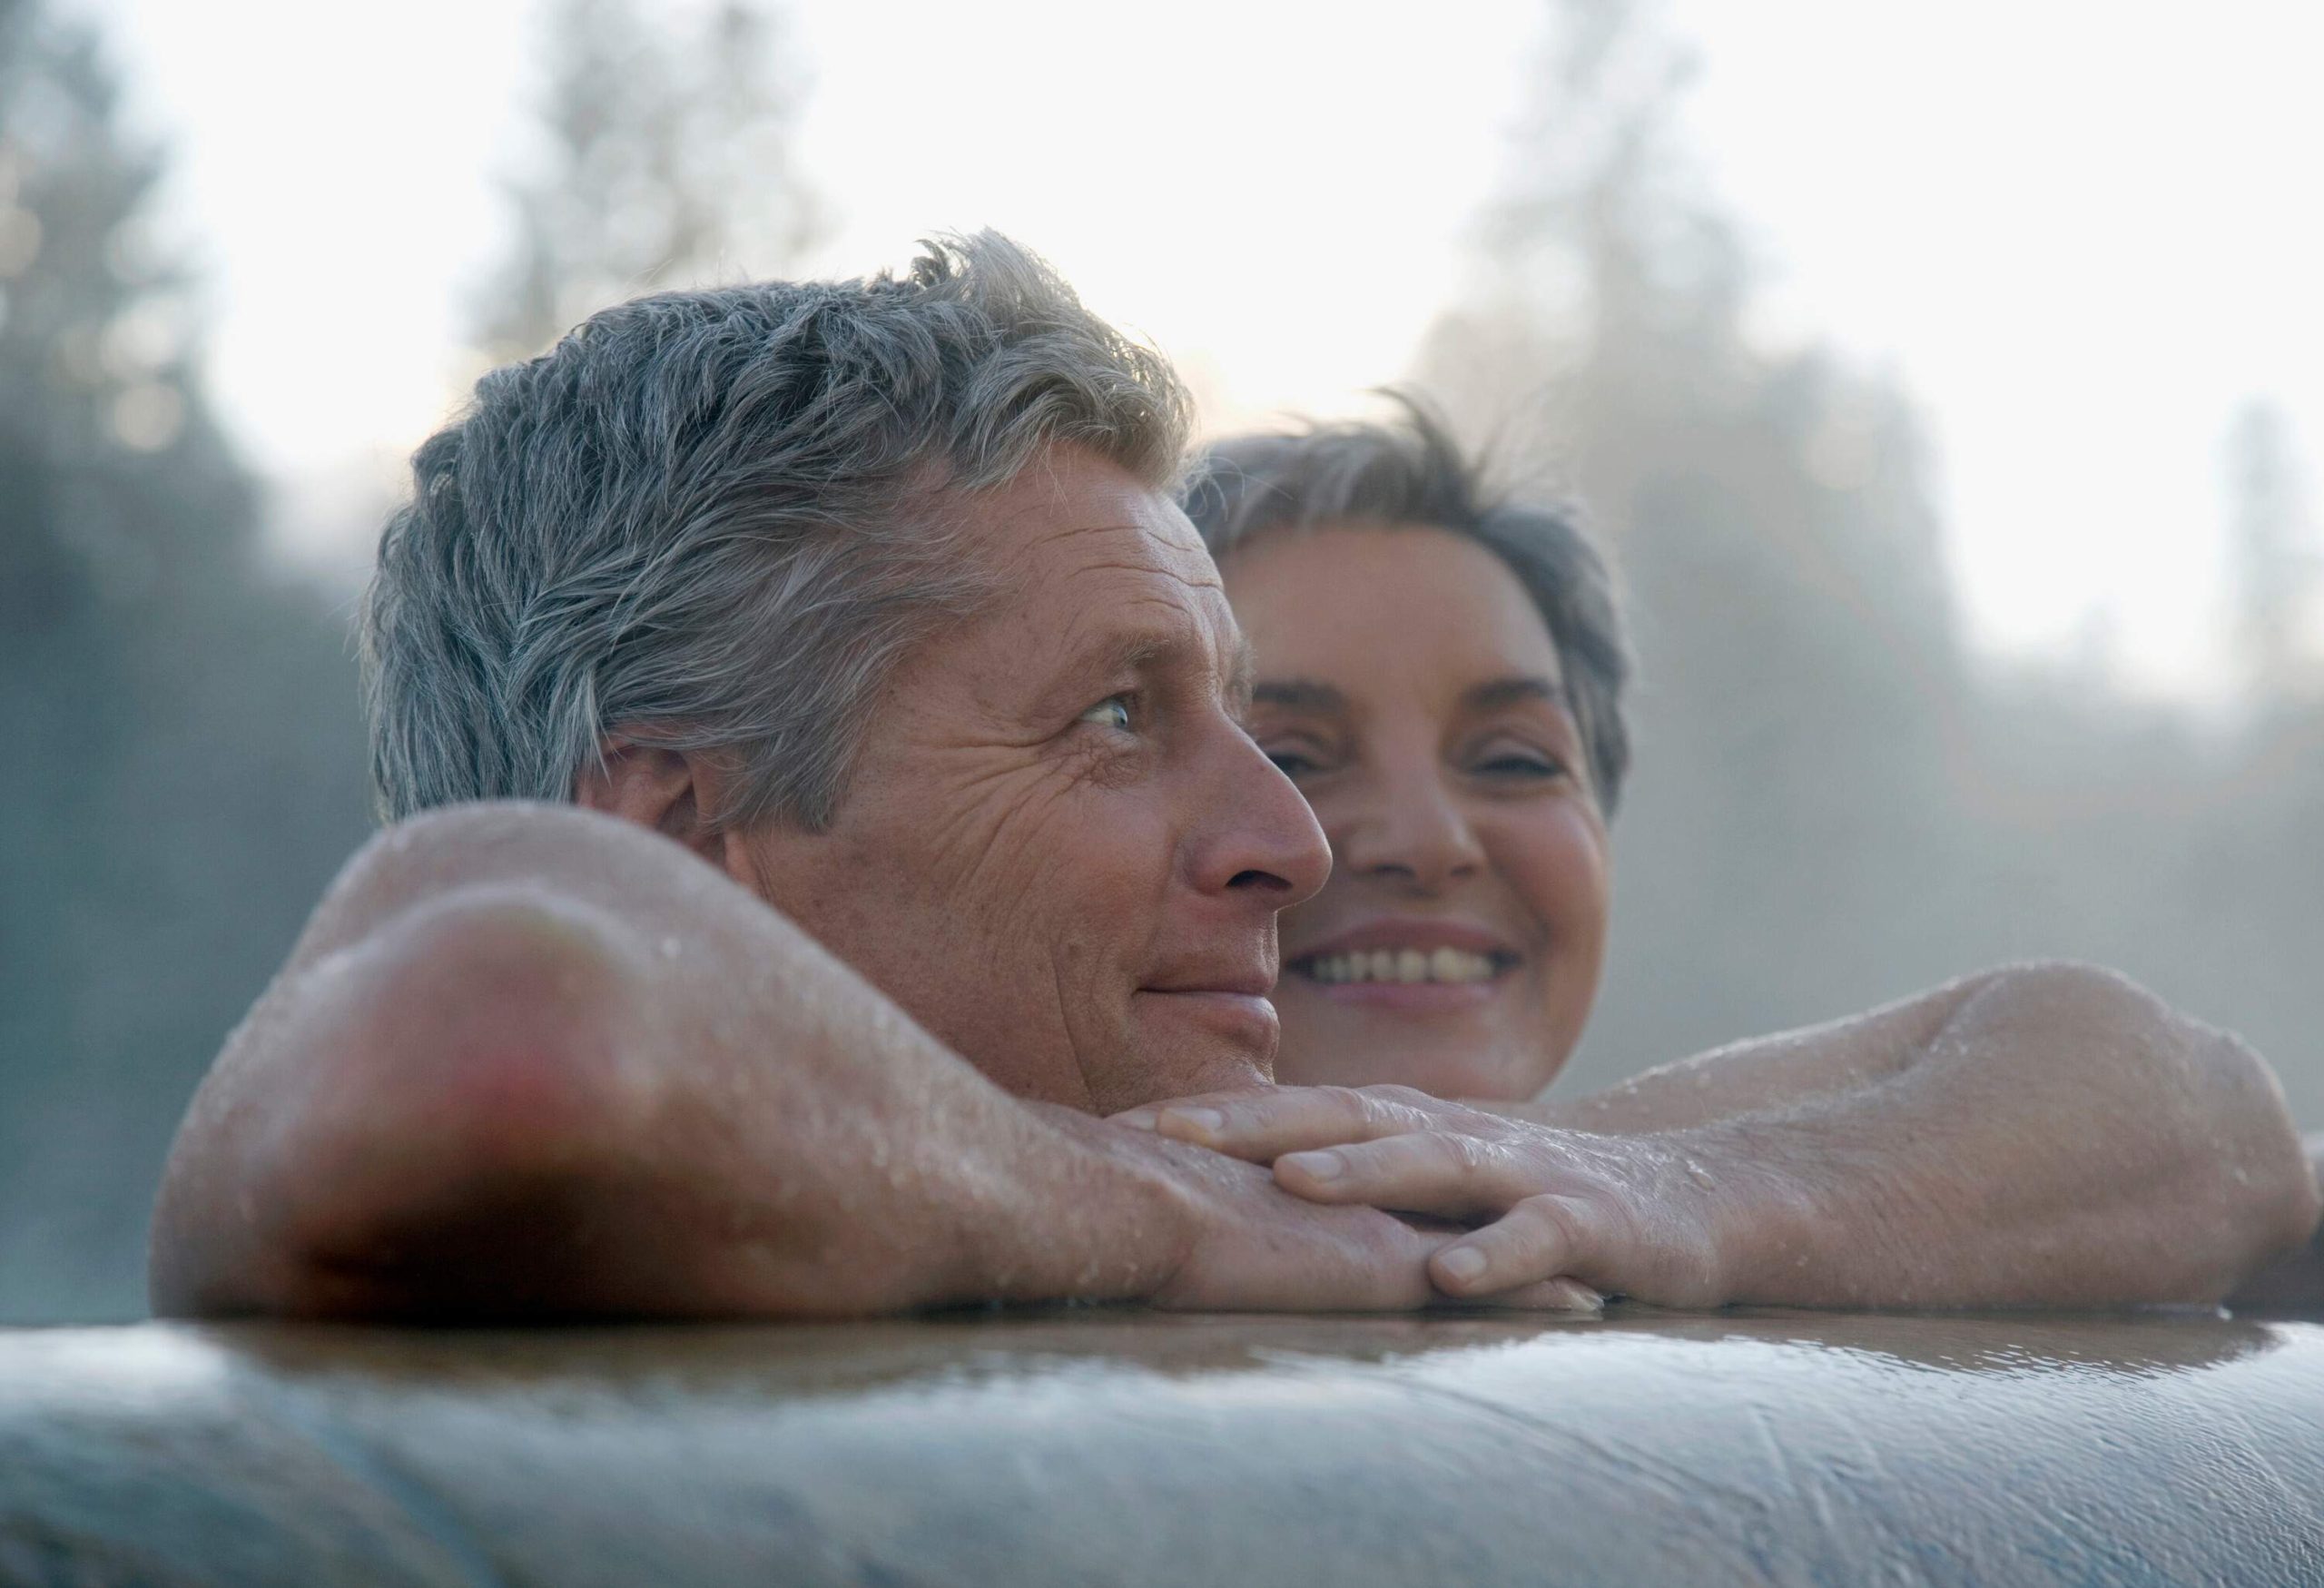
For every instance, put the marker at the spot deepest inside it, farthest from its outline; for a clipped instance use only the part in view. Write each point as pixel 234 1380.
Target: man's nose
pixel 1413 831
pixel 1258 836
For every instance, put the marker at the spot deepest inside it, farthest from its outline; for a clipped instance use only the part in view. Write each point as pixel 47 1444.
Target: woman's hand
pixel 1630 1215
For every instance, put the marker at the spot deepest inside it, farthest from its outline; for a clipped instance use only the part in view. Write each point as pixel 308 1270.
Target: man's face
pixel 1060 853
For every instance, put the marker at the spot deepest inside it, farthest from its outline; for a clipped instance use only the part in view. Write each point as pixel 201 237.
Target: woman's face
pixel 1411 689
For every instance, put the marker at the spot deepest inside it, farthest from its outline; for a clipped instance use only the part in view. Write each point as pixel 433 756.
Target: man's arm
pixel 2044 1135
pixel 529 1061
pixel 1786 1070
pixel 2293 1285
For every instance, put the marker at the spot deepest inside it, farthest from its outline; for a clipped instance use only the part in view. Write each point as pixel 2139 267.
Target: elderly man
pixel 892 823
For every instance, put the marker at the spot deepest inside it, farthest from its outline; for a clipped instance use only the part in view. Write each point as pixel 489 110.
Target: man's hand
pixel 1248 1243
pixel 1558 1208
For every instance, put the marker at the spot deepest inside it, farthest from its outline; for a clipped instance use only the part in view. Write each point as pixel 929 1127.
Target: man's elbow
pixel 428 1123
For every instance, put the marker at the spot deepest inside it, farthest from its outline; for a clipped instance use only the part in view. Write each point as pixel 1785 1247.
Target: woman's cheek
pixel 1555 858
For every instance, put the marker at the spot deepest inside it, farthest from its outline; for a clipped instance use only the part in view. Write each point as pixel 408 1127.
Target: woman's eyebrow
pixel 1501 692
pixel 1298 695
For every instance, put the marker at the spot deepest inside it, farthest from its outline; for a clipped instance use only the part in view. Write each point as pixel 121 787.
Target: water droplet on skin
pixel 1700 1174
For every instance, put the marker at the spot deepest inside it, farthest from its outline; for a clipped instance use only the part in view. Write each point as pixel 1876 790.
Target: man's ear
pixel 662 788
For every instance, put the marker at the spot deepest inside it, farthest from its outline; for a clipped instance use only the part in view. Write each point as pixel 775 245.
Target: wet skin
pixel 1408 686
pixel 535 1061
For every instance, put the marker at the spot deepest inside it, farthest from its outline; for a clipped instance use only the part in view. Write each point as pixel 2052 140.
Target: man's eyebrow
pixel 1501 692
pixel 1132 651
pixel 1242 671
pixel 1298 695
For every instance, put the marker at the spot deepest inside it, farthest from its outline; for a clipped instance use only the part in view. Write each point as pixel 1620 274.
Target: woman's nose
pixel 1413 831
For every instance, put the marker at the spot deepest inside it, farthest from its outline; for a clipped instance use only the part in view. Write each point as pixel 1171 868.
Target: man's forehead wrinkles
pixel 1074 531
pixel 1211 582
pixel 1185 564
pixel 1171 617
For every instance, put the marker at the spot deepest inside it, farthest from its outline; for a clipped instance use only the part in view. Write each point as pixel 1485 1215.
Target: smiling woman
pixel 1442 677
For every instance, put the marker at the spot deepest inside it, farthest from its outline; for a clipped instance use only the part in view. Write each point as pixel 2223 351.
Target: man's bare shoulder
pixel 522 849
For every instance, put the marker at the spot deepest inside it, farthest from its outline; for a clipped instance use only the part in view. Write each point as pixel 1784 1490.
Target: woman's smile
pixel 1407 964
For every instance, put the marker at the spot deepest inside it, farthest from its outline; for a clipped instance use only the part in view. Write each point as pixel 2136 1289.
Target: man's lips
pixel 1234 1004
pixel 1254 977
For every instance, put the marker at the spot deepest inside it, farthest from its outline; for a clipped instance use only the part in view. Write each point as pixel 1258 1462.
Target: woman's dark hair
pixel 1409 470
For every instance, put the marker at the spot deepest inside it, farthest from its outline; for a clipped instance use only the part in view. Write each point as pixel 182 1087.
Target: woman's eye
pixel 1297 755
pixel 1516 765
pixel 1113 712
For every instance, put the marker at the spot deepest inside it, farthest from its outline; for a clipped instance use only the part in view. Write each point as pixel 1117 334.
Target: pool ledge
pixel 1130 1447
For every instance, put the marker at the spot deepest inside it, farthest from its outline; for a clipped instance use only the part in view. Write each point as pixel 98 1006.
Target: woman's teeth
pixel 1406 965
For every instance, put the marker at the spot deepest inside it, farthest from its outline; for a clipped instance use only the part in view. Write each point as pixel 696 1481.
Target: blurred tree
pixel 1788 842
pixel 187 764
pixel 663 157
pixel 2272 557
pixel 1832 803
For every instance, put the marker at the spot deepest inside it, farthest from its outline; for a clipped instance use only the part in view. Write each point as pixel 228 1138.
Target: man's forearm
pixel 2057 1137
pixel 1785 1070
pixel 2293 1285
pixel 533 1061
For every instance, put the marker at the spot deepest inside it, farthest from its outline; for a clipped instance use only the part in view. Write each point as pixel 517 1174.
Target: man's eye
pixel 1292 762
pixel 1113 712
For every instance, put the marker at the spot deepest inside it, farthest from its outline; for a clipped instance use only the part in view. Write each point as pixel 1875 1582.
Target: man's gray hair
pixel 717 519
pixel 1411 471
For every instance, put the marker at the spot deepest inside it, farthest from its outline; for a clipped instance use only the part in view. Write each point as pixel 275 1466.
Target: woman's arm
pixel 2044 1135
pixel 529 1061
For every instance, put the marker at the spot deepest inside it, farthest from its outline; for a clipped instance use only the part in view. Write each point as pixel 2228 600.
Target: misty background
pixel 1843 793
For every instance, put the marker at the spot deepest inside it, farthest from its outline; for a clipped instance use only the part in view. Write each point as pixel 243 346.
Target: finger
pixel 1196 1119
pixel 1542 1237
pixel 1442 1172
pixel 1309 1259
pixel 1143 1116
pixel 1261 1126
pixel 1568 1295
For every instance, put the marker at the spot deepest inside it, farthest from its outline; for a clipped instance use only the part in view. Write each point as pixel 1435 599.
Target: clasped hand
pixel 1558 1217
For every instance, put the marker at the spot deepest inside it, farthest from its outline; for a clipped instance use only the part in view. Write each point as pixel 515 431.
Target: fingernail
pixel 1580 1297
pixel 1463 1263
pixel 1209 1122
pixel 1137 1119
pixel 1316 1166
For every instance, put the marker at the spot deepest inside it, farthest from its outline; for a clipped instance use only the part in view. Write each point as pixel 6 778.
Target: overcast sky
pixel 2080 234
